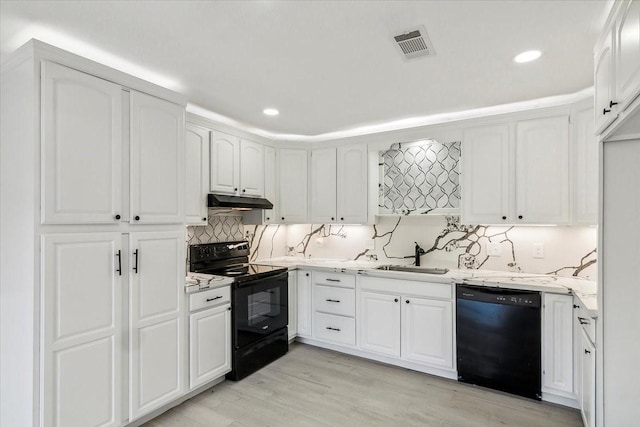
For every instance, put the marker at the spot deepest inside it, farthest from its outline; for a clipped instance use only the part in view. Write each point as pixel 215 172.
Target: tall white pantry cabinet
pixel 92 248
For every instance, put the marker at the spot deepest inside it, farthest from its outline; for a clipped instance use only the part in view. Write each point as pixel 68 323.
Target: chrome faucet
pixel 419 252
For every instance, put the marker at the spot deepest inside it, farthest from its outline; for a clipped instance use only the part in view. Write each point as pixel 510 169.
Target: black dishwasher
pixel 498 339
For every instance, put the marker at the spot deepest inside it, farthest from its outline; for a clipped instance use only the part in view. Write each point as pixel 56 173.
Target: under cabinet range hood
pixel 237 202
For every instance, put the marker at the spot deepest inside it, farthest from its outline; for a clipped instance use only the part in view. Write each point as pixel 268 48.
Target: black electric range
pixel 259 302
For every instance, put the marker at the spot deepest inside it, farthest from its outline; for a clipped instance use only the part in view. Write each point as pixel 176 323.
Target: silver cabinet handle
pixel 332 300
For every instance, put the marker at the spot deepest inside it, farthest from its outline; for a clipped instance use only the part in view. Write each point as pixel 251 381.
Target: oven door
pixel 260 308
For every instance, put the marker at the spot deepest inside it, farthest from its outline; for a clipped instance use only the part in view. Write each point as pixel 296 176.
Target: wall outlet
pixel 538 250
pixel 370 244
pixel 494 249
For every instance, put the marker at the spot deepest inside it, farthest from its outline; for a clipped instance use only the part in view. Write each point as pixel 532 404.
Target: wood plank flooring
pixel 316 387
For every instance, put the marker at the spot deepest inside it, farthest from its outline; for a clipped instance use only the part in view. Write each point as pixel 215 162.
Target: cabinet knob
pixel 283 218
pixel 504 217
pixel 407 301
pixel 268 218
pixel 244 190
pixel 395 300
pixel 118 217
pixel 204 219
pixel 605 111
pixel 341 219
pixel 519 216
pixel 137 218
pixel 235 189
pixel 306 274
pixel 611 104
pixel 586 351
pixel 332 218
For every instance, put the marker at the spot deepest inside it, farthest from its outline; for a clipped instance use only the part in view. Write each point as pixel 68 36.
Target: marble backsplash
pixel 568 251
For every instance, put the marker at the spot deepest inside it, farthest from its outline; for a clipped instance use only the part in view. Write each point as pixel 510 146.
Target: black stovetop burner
pixel 229 259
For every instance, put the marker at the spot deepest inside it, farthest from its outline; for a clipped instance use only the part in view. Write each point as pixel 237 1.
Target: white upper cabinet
pixel 293 186
pixel 352 184
pixel 237 167
pixel 157 160
pixel 225 163
pixel 197 174
pixel 322 185
pixel 627 56
pixel 542 171
pixel 605 113
pixel 532 153
pixel 251 169
pixel 617 64
pixel 82 329
pixel 81 147
pixel 156 330
pixel 271 184
pixel 585 169
pixel 486 164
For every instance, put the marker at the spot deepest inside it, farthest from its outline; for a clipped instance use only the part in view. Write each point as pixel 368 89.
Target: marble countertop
pixel 582 288
pixel 195 282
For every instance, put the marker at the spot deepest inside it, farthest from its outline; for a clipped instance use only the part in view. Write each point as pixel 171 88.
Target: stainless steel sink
pixel 410 269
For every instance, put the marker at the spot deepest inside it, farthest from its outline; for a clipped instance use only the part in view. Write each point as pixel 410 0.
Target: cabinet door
pixel 81 147
pixel 157 160
pixel 305 307
pixel 542 171
pixel 82 329
pixel 271 184
pixel 587 380
pixel 628 54
pixel 293 304
pixel 585 154
pixel 197 173
pixel 486 173
pixel 251 169
pixel 293 186
pixel 322 194
pixel 605 113
pixel 209 345
pixel 352 184
pixel 427 331
pixel 557 360
pixel 379 323
pixel 156 330
pixel 225 163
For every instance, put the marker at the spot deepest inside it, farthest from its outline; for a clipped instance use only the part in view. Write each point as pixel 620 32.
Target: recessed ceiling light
pixel 271 111
pixel 530 55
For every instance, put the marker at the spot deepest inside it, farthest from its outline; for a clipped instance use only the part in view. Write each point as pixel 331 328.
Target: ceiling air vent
pixel 414 43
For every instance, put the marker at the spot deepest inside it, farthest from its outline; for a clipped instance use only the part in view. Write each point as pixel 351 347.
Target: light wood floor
pixel 315 387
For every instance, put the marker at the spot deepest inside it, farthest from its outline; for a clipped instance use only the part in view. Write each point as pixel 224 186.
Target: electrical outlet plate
pixel 538 250
pixel 370 244
pixel 494 249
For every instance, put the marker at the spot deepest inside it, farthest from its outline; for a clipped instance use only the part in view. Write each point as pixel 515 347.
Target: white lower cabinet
pixel 427 331
pixel 293 304
pixel 417 329
pixel 82 330
pixel 305 307
pixel 156 331
pixel 209 344
pixel 557 353
pixel 587 380
pixel 379 323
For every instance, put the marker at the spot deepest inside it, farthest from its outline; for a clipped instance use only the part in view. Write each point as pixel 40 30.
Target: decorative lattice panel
pixel 418 178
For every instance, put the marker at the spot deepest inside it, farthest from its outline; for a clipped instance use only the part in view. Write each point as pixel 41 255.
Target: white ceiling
pixel 327 66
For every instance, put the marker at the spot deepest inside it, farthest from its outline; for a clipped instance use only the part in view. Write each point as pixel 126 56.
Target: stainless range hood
pixel 237 202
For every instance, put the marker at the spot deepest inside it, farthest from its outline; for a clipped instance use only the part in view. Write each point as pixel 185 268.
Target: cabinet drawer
pixel 209 298
pixel 335 279
pixel 338 329
pixel 332 300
